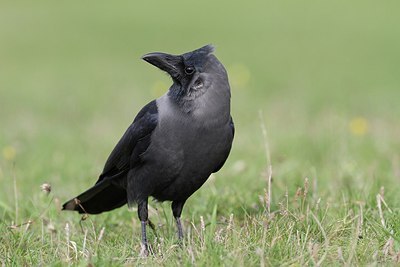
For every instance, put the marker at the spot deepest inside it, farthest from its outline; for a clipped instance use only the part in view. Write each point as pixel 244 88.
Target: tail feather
pixel 103 196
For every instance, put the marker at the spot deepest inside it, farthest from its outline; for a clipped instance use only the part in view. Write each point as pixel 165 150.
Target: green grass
pixel 324 75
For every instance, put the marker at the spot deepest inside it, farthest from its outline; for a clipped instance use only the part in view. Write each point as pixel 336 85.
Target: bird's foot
pixel 144 251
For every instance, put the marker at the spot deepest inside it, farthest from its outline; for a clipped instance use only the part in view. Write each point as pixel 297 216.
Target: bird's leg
pixel 180 231
pixel 145 247
pixel 143 216
pixel 177 210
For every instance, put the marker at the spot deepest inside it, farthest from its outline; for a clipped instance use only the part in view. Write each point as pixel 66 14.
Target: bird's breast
pixel 190 141
pixel 187 142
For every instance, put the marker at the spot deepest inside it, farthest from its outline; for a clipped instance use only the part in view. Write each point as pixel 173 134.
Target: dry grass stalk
pixel 360 222
pixel 297 194
pixel 305 187
pixel 269 164
pixel 202 232
pixel 101 234
pixel 83 252
pixel 313 249
pixel 202 224
pixel 67 237
pixel 380 200
pixel 218 238
pixel 340 255
pixel 15 195
pixel 230 223
pixel 388 248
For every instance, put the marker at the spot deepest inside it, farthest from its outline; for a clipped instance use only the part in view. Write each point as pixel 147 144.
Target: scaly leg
pixel 143 216
pixel 177 207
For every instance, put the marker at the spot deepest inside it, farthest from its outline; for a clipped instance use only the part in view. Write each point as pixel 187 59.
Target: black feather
pixel 109 192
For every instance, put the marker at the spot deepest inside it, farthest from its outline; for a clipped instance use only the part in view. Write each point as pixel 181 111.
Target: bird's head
pixel 192 73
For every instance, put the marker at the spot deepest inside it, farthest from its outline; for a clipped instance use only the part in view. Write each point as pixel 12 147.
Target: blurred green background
pixel 324 74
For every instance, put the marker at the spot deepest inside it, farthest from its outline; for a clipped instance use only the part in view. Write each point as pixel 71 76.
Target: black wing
pixel 133 143
pixel 107 193
pixel 228 150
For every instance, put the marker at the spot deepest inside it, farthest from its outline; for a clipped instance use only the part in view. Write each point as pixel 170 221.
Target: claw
pixel 144 251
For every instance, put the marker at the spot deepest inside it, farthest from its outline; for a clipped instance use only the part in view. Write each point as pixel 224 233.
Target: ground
pixel 315 96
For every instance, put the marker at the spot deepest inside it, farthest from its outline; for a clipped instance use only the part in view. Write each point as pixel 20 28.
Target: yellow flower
pixel 358 126
pixel 9 153
pixel 239 75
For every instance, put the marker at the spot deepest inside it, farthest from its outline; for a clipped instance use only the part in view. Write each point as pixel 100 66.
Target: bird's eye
pixel 189 70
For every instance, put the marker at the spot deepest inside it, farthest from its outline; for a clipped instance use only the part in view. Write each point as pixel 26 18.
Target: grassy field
pixel 321 77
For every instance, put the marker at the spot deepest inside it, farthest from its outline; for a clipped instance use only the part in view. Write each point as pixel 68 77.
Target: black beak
pixel 166 62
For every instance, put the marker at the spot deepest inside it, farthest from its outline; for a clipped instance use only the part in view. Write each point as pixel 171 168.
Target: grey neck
pixel 211 106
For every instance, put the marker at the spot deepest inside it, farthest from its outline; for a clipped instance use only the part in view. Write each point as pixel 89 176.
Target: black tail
pixel 103 196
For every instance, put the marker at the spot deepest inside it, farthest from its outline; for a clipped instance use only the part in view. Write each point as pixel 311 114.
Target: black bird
pixel 173 145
